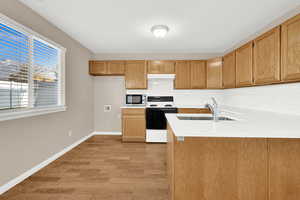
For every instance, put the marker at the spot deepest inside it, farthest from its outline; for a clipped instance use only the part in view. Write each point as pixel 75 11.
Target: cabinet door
pixel 198 74
pixel 252 169
pixel 133 125
pixel 183 75
pixel 214 73
pixel 161 67
pixel 244 65
pixel 227 169
pixel 284 169
pixel 98 68
pixel 136 75
pixel 229 70
pixel 116 67
pixel 266 66
pixel 170 163
pixel 290 52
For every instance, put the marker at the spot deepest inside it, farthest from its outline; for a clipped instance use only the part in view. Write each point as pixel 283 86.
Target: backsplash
pixel 165 87
pixel 281 98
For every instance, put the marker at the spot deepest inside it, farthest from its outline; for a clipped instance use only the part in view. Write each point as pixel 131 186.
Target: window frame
pixel 30 111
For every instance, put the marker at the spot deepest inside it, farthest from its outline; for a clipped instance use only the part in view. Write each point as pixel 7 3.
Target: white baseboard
pixel 107 133
pixel 43 164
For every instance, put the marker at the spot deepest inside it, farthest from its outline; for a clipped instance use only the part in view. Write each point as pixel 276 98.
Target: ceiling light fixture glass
pixel 160 31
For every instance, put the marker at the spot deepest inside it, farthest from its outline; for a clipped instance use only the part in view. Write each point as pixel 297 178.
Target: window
pixel 31 72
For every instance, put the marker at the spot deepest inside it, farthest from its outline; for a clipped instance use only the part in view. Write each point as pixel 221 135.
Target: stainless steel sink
pixel 204 118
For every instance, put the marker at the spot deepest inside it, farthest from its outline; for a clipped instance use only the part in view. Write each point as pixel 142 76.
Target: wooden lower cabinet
pixel 284 169
pixel 194 110
pixel 217 168
pixel 133 125
pixel 202 168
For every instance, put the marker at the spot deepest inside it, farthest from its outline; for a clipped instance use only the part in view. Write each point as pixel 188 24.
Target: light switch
pixel 107 108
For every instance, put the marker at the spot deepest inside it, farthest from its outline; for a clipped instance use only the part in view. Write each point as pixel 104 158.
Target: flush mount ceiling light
pixel 160 31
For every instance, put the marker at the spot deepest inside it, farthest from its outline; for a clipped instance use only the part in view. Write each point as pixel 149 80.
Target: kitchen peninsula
pixel 242 159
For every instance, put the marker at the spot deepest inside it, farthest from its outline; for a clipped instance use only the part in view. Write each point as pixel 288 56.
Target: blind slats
pixel 27 66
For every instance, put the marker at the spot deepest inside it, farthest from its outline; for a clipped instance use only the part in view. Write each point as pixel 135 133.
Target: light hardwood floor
pixel 101 168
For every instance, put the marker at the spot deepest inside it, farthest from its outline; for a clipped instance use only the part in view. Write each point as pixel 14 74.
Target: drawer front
pixel 133 111
pixel 194 110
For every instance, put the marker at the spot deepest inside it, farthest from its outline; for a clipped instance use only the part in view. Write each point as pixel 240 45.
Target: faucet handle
pixel 214 101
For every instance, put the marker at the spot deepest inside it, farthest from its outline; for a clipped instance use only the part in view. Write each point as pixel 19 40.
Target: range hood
pixel 161 76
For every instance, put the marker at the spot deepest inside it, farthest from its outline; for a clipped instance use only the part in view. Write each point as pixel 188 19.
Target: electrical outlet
pixel 107 108
pixel 70 133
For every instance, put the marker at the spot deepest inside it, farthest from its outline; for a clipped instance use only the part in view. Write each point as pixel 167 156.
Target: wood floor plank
pixel 101 168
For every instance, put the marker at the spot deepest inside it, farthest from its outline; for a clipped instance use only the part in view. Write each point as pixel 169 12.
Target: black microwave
pixel 135 99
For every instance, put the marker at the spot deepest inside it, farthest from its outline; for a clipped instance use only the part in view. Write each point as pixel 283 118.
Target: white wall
pixel 108 90
pixel 282 98
pixel 164 87
pixel 26 142
pixel 155 56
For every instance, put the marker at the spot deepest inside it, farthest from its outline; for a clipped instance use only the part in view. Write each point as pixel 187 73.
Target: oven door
pixel 156 119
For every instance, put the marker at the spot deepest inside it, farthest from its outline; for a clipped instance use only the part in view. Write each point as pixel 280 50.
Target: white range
pixel 156 122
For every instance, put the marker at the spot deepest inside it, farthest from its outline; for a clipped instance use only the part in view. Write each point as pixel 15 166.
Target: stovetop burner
pixel 160 101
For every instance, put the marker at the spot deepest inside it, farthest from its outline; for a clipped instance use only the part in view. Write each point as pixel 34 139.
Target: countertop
pixel 133 106
pixel 248 124
pixel 189 106
pixel 176 105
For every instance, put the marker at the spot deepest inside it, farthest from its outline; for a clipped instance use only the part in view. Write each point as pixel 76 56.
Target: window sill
pixel 23 113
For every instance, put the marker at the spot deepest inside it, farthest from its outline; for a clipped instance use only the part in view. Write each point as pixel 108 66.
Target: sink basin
pixel 203 118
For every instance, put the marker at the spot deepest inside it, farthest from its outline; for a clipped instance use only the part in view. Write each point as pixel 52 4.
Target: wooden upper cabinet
pixel 136 75
pixel 116 67
pixel 214 73
pixel 198 74
pixel 183 75
pixel 97 68
pixel 102 68
pixel 290 49
pixel 244 65
pixel 266 63
pixel 161 67
pixel 229 70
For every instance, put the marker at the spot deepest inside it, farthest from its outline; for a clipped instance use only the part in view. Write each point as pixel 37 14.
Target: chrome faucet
pixel 214 108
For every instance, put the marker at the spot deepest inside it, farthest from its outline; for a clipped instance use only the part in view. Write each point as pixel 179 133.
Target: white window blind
pixel 45 74
pixel 14 66
pixel 31 70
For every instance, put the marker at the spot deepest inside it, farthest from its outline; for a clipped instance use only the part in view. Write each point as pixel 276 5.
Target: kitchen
pixel 141 112
pixel 198 125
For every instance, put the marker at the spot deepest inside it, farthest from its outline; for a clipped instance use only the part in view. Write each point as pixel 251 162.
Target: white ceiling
pixel 196 26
